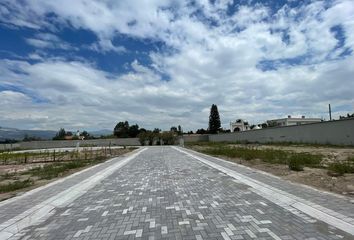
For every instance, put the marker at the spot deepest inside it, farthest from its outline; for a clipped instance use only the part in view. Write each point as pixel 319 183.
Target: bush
pixel 341 168
pixel 15 185
pixel 266 155
pixel 295 165
pixel 306 159
pixel 54 170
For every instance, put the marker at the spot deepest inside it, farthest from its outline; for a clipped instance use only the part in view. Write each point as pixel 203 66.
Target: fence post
pixel 54 155
pixel 25 157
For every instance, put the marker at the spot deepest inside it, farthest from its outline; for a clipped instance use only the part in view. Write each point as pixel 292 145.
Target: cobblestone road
pixel 163 193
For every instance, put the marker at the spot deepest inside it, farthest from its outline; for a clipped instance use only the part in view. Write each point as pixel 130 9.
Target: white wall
pixel 339 132
pixel 72 143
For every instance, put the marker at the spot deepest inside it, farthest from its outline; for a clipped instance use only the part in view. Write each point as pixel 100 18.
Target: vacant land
pixel 323 167
pixel 26 170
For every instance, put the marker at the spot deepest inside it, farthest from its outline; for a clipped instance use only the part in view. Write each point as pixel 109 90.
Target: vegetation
pixel 214 120
pixel 55 156
pixel 295 161
pixel 13 186
pixel 8 141
pixel 348 116
pixel 202 131
pixel 60 134
pixel 178 130
pixel 54 170
pixel 341 168
pixel 28 138
pixel 159 138
pixel 50 170
pixel 123 130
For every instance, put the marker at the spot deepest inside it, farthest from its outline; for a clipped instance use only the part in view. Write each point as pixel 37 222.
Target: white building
pixel 239 125
pixel 290 121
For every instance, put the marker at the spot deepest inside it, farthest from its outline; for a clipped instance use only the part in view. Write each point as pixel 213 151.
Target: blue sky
pixel 159 63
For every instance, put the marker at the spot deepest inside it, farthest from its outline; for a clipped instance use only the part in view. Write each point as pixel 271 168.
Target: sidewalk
pixel 331 207
pixel 38 202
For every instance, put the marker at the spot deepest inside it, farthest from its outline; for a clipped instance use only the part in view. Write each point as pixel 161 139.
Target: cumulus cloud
pixel 212 56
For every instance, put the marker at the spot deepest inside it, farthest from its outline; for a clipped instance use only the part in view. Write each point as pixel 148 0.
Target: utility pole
pixel 330 112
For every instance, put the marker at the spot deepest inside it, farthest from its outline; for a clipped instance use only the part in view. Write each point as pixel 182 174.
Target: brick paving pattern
pixel 165 194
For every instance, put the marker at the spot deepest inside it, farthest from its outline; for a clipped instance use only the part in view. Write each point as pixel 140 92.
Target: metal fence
pixel 9 158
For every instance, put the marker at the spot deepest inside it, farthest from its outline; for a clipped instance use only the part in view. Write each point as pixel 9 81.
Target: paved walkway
pixel 174 193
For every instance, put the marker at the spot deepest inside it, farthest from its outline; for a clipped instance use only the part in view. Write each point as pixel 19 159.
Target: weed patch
pixel 341 168
pixel 296 161
pixel 13 186
pixel 56 169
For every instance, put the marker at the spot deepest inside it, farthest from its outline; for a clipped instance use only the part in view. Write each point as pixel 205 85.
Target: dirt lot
pixel 315 177
pixel 34 174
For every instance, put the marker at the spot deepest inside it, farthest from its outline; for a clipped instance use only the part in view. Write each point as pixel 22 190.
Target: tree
pixel 173 129
pixel 168 138
pixel 151 136
pixel 86 135
pixel 133 131
pixel 142 137
pixel 180 131
pixel 156 130
pixel 60 135
pixel 214 119
pixel 121 130
pixel 28 138
pixel 201 131
pixel 348 116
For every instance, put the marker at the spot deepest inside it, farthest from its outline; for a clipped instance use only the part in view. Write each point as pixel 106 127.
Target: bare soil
pixel 18 172
pixel 315 177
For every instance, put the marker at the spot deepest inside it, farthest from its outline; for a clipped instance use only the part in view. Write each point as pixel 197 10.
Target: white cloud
pixel 106 46
pixel 48 40
pixel 210 63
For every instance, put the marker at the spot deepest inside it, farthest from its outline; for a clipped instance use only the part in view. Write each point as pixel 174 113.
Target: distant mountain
pixel 99 133
pixel 17 134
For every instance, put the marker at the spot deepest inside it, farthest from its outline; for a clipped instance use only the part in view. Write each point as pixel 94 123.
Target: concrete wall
pixel 196 138
pixel 339 132
pixel 72 143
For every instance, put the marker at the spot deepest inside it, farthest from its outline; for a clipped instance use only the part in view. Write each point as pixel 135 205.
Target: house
pixel 291 121
pixel 239 126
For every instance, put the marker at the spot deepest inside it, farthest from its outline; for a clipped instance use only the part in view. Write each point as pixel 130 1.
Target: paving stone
pixel 164 194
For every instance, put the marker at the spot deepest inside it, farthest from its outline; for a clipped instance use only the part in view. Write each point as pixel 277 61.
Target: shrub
pixel 266 155
pixel 295 165
pixel 15 185
pixel 341 168
pixel 306 159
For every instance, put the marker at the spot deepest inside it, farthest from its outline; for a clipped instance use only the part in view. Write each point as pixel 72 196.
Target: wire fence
pixel 11 158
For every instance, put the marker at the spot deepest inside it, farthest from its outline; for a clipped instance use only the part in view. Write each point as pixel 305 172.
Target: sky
pixel 161 63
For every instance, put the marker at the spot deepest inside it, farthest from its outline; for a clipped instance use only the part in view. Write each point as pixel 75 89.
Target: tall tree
pixel 121 130
pixel 214 119
pixel 60 134
pixel 134 130
pixel 180 130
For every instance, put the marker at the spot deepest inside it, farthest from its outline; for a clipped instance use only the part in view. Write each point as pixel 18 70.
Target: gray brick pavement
pixel 339 204
pixel 163 194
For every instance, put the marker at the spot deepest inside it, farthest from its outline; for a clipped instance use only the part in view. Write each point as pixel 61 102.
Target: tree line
pixel 147 137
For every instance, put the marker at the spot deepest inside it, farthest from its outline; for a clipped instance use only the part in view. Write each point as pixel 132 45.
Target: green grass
pixel 13 186
pixel 342 168
pixel 7 176
pixel 290 144
pixel 294 160
pixel 57 169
